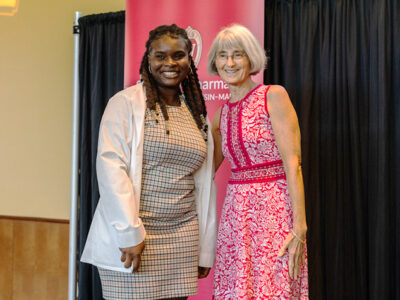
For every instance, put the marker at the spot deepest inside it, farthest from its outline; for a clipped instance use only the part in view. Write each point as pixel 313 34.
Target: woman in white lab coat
pixel 154 230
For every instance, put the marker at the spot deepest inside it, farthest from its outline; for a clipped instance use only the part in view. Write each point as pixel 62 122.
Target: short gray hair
pixel 237 36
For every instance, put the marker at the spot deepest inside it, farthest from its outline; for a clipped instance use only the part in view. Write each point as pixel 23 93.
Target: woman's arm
pixel 218 155
pixel 287 136
pixel 206 206
pixel 120 205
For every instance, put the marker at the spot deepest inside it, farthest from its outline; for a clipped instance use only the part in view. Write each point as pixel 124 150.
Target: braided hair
pixel 190 86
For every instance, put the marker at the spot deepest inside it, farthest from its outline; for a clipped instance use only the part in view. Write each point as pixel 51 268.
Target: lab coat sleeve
pixel 116 141
pixel 206 198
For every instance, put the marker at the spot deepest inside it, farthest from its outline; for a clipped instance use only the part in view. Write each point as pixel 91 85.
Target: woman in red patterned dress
pixel 261 249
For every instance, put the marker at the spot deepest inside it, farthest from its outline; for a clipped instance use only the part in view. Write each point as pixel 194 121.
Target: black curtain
pixel 101 75
pixel 340 62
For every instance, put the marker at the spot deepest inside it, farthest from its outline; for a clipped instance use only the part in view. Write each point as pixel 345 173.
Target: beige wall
pixel 36 52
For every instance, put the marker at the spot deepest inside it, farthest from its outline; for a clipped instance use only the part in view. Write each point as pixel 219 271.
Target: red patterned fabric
pixel 257 214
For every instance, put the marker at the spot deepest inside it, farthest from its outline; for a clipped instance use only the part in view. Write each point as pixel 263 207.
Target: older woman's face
pixel 169 61
pixel 233 66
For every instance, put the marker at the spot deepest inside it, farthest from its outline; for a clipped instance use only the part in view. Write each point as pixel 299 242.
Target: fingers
pixel 282 251
pixel 296 259
pixel 295 266
pixel 131 256
pixel 131 260
pixel 136 262
pixel 203 272
pixel 128 261
pixel 291 261
pixel 123 257
pixel 296 262
pixel 296 254
pixel 303 258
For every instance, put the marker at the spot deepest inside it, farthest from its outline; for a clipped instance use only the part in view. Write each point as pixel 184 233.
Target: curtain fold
pixel 340 61
pixel 101 72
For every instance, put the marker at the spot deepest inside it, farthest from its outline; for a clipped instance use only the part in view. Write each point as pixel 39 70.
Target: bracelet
pixel 297 237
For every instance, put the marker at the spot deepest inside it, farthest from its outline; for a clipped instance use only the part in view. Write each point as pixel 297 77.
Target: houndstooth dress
pixel 168 211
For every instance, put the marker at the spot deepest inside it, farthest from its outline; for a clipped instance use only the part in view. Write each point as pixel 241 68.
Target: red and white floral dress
pixel 257 214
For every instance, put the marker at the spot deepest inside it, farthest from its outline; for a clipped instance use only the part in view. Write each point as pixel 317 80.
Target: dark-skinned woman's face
pixel 169 61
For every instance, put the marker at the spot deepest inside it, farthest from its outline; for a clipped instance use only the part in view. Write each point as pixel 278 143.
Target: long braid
pixel 192 99
pixel 199 95
pixel 198 89
pixel 148 82
pixel 197 105
pixel 190 85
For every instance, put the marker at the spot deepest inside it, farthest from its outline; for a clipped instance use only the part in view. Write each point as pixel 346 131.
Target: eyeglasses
pixel 237 56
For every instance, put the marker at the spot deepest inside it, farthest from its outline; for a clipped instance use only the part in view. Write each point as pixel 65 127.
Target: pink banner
pixel 202 20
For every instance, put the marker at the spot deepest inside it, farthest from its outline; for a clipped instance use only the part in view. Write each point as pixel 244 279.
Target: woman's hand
pixel 203 272
pixel 295 247
pixel 132 256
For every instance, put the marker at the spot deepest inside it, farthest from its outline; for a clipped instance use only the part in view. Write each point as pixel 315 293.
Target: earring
pixel 149 69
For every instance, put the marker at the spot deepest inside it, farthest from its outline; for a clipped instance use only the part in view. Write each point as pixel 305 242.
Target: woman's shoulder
pixel 131 94
pixel 278 99
pixel 131 91
pixel 261 91
pixel 128 101
pixel 276 91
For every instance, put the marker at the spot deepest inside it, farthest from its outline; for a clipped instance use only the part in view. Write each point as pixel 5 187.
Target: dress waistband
pixel 270 171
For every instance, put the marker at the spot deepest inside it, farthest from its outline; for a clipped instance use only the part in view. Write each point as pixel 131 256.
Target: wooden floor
pixel 33 259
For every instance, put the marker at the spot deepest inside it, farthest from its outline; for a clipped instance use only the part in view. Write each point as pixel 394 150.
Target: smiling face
pixel 169 61
pixel 233 66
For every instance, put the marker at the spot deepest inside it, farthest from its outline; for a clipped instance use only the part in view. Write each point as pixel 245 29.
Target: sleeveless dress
pixel 169 262
pixel 257 214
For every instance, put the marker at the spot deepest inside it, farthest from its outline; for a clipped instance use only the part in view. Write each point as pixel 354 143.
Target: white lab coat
pixel 116 223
